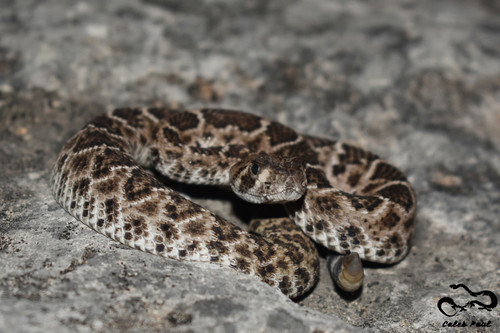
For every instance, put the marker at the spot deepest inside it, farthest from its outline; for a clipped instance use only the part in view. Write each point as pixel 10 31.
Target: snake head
pixel 268 178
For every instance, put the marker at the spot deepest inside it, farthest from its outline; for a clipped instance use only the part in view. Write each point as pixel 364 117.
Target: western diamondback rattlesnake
pixel 341 196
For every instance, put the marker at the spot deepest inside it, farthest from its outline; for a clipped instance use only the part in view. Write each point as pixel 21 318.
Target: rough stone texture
pixel 417 82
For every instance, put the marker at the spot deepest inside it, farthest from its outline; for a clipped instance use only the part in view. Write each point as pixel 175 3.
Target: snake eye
pixel 255 169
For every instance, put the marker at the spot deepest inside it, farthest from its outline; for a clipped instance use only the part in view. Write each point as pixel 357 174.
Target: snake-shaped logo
pixel 456 308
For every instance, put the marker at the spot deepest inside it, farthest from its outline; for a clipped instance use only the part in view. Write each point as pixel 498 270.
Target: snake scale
pixel 340 196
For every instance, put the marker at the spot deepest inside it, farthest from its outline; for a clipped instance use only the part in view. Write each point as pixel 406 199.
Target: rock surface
pixel 417 82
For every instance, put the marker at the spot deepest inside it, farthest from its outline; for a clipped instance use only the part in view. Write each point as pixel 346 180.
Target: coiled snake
pixel 341 196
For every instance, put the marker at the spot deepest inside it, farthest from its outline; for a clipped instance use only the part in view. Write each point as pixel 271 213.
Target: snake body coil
pixel 341 196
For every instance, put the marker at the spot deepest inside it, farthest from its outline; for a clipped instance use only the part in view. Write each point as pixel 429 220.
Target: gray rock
pixel 417 82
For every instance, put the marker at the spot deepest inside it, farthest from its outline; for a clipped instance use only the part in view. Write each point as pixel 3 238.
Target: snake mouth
pixel 272 198
pixel 280 197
